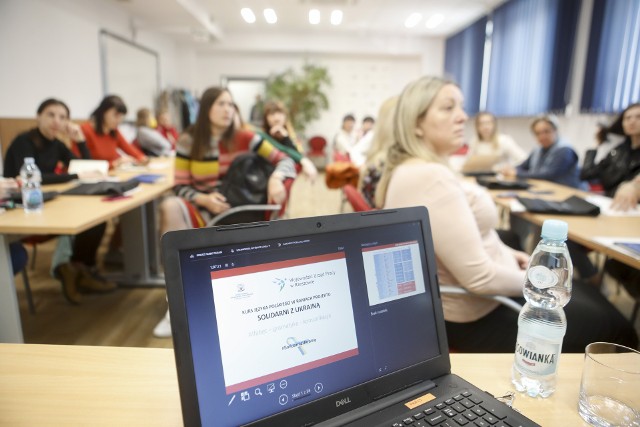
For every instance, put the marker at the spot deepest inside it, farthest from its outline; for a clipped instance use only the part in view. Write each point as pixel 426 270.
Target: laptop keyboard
pixel 464 409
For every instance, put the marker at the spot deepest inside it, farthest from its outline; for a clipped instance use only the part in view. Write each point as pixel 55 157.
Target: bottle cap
pixel 554 229
pixel 29 160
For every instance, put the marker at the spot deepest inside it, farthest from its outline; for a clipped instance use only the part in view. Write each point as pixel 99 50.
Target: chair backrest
pixel 317 144
pixel 356 200
pixel 508 302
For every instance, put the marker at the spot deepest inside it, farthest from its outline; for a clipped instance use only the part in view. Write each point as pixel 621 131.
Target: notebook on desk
pixel 326 321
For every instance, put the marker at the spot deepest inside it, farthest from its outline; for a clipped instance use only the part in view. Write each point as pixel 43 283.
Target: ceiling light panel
pixel 413 20
pixel 248 15
pixel 336 17
pixel 270 16
pixel 314 17
pixel 434 21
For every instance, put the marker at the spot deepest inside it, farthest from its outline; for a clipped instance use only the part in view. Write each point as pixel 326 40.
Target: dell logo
pixel 341 402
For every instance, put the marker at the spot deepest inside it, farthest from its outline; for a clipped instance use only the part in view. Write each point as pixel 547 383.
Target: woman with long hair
pixel 488 141
pixel 204 153
pixel 103 137
pixel 429 126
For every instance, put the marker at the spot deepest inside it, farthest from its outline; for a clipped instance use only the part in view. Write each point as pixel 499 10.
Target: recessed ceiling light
pixel 413 20
pixel 248 15
pixel 270 16
pixel 314 17
pixel 434 20
pixel 336 17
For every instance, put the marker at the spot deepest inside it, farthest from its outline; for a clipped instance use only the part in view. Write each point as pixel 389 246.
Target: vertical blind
pixel 612 75
pixel 532 50
pixel 463 61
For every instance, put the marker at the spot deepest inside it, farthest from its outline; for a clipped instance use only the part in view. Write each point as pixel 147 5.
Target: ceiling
pixel 212 20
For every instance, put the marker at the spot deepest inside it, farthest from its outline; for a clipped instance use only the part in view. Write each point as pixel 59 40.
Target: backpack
pixel 245 183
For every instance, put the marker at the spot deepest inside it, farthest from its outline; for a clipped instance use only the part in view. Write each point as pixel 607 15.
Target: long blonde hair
pixel 383 132
pixel 413 104
pixel 494 135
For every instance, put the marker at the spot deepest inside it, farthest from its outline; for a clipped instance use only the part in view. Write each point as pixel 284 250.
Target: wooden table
pixel 120 386
pixel 75 214
pixel 582 229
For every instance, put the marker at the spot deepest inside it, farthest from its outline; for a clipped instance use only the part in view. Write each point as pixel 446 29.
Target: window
pixel 463 62
pixel 612 76
pixel 531 54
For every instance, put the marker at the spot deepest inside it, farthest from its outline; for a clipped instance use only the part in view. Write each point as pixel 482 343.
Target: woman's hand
pixel 626 197
pixel 73 131
pixel 276 191
pixel 508 171
pixel 214 202
pixel 309 169
pixel 522 258
pixel 123 160
pixel 279 132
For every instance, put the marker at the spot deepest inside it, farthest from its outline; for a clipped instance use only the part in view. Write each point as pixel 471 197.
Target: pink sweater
pixel 469 252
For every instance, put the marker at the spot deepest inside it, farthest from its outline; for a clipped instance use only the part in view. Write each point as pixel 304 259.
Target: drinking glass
pixel 610 387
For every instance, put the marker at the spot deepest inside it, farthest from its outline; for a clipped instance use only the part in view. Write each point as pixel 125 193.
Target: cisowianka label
pixel 536 357
pixel 541 277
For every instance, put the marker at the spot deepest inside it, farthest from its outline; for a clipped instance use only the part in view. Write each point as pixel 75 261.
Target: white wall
pixel 363 72
pixel 50 49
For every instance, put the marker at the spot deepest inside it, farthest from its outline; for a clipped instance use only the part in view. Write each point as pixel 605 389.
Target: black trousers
pixel 86 244
pixel 590 318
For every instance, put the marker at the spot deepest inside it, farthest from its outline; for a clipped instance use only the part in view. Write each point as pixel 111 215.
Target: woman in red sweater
pixel 103 138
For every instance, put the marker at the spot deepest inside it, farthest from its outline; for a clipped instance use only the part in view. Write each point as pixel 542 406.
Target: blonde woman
pixel 429 126
pixel 489 142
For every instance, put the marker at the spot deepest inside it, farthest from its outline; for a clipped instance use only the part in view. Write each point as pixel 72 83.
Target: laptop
pixel 480 165
pixel 324 321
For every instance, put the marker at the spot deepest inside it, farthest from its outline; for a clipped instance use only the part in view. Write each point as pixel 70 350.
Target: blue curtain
pixel 463 62
pixel 532 49
pixel 612 76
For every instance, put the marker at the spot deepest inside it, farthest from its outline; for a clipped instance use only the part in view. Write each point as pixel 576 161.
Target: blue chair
pixel 19 260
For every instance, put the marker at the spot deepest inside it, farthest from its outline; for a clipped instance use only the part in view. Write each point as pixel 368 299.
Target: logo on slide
pixel 241 292
pixel 279 282
pixel 240 288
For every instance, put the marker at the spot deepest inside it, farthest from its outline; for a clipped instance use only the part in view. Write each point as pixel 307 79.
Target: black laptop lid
pixel 294 322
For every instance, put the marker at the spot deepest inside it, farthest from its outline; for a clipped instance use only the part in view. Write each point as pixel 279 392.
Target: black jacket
pixel 621 164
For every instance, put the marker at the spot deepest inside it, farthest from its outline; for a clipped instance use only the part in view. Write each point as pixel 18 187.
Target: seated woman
pixel 429 126
pixel 488 141
pixel 553 161
pixel 622 164
pixel 104 139
pixel 152 142
pixel 204 154
pixel 277 127
pixel 619 173
pixel 74 260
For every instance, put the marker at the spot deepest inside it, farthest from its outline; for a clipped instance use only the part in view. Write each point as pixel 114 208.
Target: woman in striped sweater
pixel 203 156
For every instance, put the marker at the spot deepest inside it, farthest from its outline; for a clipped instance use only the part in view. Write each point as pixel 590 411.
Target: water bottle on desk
pixel 542 322
pixel 31 192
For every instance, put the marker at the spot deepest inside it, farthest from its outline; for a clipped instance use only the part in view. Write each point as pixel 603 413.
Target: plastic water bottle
pixel 31 192
pixel 542 322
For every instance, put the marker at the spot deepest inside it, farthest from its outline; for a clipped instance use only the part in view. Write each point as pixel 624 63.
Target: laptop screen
pixel 278 323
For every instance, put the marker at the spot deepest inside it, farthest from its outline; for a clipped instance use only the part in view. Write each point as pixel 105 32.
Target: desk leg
pixel 10 324
pixel 141 248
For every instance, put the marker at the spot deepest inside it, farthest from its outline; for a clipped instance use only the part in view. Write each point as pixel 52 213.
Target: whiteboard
pixel 130 71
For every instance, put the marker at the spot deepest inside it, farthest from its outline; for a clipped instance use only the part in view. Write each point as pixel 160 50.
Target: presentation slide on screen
pixel 392 271
pixel 282 318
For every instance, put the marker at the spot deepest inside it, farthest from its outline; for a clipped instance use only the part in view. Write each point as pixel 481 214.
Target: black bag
pixel 245 183
pixel 573 205
pixel 502 184
pixel 105 188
